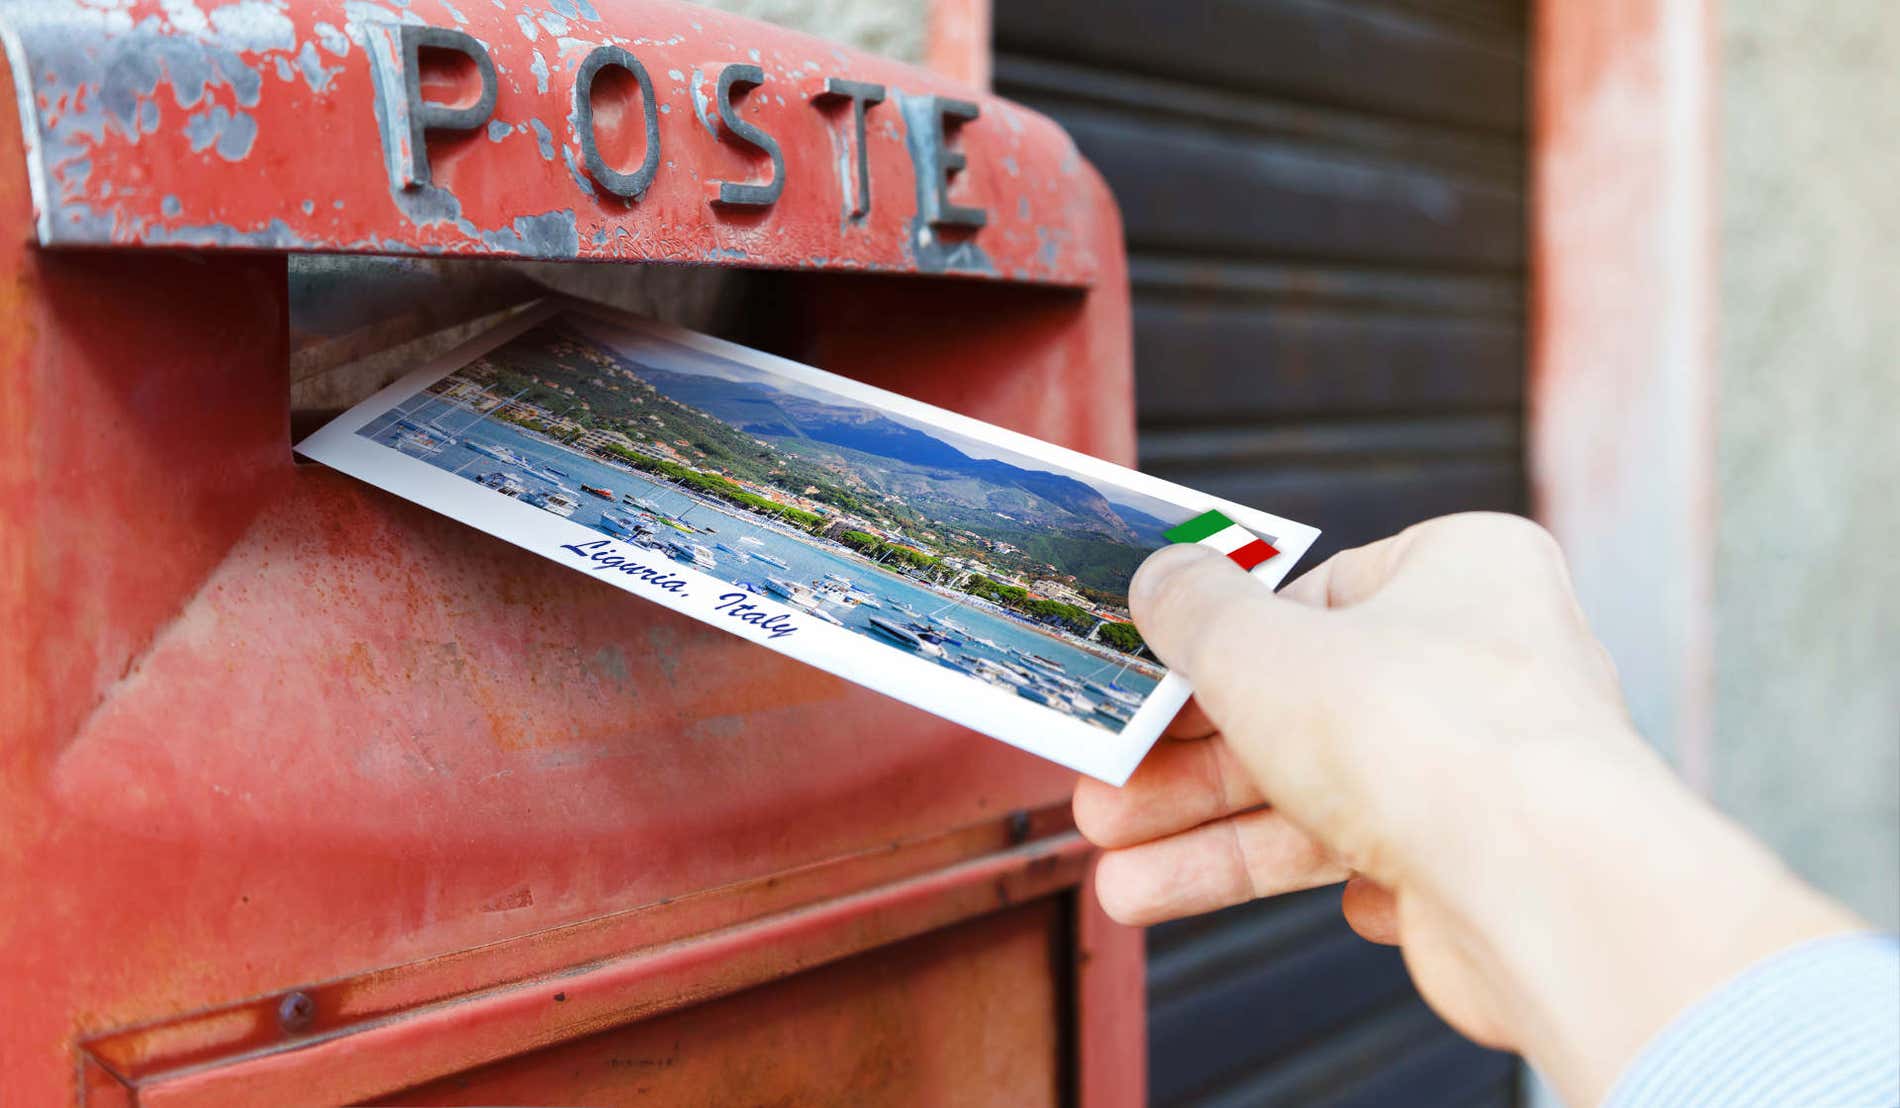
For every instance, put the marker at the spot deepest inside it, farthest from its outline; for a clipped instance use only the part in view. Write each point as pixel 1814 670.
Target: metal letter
pixel 629 185
pixel 411 117
pixel 936 161
pixel 861 94
pixel 746 76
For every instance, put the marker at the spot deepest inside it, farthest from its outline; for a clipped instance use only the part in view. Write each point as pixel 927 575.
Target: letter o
pixel 628 185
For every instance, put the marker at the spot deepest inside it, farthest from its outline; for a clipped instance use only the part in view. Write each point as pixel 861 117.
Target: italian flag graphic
pixel 1242 546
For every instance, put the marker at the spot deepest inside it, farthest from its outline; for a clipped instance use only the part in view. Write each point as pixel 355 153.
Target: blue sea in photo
pixel 1087 682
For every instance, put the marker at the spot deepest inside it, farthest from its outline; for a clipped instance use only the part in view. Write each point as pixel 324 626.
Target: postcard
pixel 964 569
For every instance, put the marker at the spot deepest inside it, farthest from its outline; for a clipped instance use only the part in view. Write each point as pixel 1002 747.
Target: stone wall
pixel 1807 646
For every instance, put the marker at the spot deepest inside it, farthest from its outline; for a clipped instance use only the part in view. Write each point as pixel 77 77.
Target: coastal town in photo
pixel 983 561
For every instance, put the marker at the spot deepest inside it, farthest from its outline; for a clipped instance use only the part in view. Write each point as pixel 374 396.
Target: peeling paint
pixel 581 180
pixel 498 130
pixel 548 235
pixel 702 103
pixel 254 26
pixel 315 73
pixel 540 71
pixel 230 133
pixel 275 235
pixel 543 138
pixel 333 40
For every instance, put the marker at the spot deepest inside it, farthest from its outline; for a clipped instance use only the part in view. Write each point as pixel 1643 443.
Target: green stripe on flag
pixel 1198 528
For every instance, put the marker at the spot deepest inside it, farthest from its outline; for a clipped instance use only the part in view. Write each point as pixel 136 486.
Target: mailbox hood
pixel 571 129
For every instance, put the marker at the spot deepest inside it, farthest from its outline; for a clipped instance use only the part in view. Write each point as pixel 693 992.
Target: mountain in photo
pixel 985 495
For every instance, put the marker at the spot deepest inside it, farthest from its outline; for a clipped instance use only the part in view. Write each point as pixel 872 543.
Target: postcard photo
pixel 962 568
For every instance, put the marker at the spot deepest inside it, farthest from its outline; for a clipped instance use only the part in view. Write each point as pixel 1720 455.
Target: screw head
pixel 296 1012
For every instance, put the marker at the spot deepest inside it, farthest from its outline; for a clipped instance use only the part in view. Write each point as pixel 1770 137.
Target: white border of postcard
pixel 1109 756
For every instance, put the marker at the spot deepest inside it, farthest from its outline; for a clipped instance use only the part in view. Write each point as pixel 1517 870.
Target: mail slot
pixel 309 796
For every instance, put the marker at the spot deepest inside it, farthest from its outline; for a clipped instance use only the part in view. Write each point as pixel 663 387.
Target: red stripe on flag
pixel 1252 554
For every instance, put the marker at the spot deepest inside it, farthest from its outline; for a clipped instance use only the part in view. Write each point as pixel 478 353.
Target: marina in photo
pixel 993 566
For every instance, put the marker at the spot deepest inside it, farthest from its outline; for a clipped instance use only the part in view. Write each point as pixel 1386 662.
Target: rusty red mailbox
pixel 310 796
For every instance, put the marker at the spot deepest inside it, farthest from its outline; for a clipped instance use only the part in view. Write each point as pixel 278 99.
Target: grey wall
pixel 893 28
pixel 1807 650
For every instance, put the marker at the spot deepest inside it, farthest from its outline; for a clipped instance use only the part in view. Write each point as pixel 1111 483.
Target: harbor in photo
pixel 994 567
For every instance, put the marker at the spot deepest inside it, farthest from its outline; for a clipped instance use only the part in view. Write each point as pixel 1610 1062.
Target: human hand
pixel 1431 718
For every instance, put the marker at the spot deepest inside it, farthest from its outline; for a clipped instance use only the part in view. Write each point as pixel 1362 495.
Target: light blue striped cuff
pixel 1815 1026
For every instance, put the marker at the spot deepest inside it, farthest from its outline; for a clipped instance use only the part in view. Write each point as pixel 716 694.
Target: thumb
pixel 1223 629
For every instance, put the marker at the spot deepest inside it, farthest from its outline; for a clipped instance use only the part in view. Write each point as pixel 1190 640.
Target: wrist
pixel 1625 899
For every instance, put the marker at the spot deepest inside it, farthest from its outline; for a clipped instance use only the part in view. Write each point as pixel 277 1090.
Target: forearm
pixel 1630 899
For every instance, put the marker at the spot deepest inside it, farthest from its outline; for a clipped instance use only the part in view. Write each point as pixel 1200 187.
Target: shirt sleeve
pixel 1815 1026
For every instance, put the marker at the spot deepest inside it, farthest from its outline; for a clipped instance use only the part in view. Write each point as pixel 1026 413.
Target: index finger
pixel 1179 785
pixel 1189 723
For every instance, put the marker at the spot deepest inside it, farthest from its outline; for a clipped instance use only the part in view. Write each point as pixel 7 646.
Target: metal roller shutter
pixel 1324 206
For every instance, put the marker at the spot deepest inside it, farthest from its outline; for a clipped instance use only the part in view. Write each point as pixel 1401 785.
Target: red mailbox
pixel 310 796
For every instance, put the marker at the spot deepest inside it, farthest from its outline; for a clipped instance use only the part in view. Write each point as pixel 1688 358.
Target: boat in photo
pixel 1110 710
pixel 947 631
pixel 839 589
pixel 903 636
pixel 732 550
pixel 1081 704
pixel 1114 693
pixel 792 591
pixel 1047 699
pixel 596 490
pixel 553 500
pixel 1047 669
pixel 933 636
pixel 769 559
pixel 499 453
pixel 502 482
pixel 699 556
pixel 1004 674
pixel 826 616
pixel 419 441
pixel 751 540
pixel 623 526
